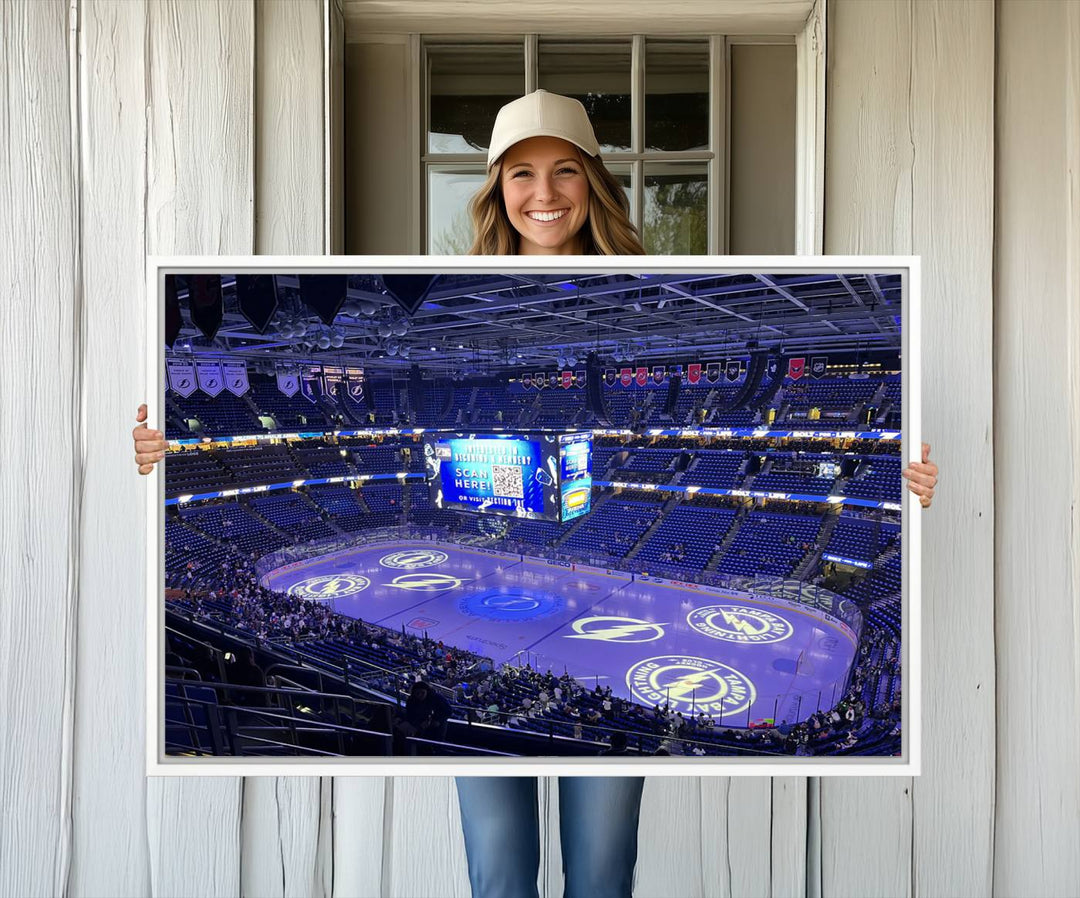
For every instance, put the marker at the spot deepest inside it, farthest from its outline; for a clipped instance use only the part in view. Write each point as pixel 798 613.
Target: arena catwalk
pixel 737 656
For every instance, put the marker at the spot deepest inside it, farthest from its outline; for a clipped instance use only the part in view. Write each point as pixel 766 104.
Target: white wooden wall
pixel 189 126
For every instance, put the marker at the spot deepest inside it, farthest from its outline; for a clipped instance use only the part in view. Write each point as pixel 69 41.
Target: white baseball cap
pixel 541 114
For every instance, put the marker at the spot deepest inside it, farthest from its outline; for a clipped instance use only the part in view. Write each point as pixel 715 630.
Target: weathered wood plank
pixel 41 388
pixel 199 200
pixel 111 858
pixel 1037 450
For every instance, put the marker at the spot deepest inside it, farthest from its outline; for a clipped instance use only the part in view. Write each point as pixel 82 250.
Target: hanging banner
pixel 553 379
pixel 676 371
pixel 693 372
pixel 354 384
pixel 642 376
pixel 818 364
pixel 733 370
pixel 626 376
pixel 659 374
pixel 579 378
pixel 332 376
pixel 567 379
pixel 610 377
pixel 209 376
pixel 526 380
pixel 795 368
pixel 236 377
pixel 181 376
pixel 288 381
pixel 310 375
pixel 712 372
pixel 773 367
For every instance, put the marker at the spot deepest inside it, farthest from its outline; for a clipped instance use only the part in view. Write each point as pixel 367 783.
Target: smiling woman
pixel 547 190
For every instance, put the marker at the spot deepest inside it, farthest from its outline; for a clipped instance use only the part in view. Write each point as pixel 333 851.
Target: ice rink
pixel 737 658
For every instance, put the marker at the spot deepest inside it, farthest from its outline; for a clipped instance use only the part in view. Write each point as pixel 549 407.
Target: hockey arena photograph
pixel 561 515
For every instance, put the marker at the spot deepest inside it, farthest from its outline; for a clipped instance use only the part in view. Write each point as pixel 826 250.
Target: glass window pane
pixel 624 176
pixel 467 84
pixel 597 74
pixel 449 192
pixel 676 208
pixel 676 95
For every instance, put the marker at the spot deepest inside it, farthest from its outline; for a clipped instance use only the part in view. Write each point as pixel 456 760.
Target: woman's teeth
pixel 546 216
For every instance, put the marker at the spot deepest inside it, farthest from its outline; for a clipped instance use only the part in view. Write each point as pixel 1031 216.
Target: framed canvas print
pixel 464 515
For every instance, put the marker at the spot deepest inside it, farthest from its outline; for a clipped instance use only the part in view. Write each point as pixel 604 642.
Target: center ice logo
pixel 510 603
pixel 620 629
pixel 738 623
pixel 426 582
pixel 334 586
pixel 411 559
pixel 692 684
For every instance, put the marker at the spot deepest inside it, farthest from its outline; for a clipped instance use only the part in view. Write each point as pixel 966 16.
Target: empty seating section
pixel 688 537
pixel 623 407
pixel 830 393
pixel 770 544
pixel 716 469
pixel 222 415
pixel 854 538
pixel 650 465
pixel 378 460
pixel 266 464
pixel 384 395
pixel 232 522
pixel 537 533
pixel 185 546
pixel 601 460
pixel 611 529
pixel 339 501
pixel 291 412
pixel 436 399
pixel 194 472
pixel 383 498
pixel 878 477
pixel 323 461
pixel 559 407
pixel 291 513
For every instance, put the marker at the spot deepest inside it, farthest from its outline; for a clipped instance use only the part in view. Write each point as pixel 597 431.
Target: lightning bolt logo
pixel 627 627
pixel 331 586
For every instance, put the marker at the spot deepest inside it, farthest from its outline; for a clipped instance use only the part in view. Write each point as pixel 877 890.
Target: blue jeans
pixel 598 826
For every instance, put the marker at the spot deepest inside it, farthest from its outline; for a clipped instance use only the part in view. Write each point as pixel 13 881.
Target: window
pixel 659 107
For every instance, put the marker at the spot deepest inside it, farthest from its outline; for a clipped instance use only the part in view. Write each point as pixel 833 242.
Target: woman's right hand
pixel 149 444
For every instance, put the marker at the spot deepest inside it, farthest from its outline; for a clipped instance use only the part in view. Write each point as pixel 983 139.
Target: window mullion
pixel 532 63
pixel 637 129
pixel 718 112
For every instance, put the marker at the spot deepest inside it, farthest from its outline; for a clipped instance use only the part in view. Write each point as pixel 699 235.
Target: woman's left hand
pixel 922 477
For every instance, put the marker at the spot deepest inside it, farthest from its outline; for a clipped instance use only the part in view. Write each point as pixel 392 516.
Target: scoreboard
pixel 540 476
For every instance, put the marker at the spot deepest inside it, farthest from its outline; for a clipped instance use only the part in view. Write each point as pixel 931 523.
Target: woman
pixel 548 193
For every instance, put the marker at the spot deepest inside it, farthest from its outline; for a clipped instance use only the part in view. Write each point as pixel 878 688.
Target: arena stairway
pixel 574 527
pixel 652 528
pixel 810 560
pixel 728 539
pixel 267 523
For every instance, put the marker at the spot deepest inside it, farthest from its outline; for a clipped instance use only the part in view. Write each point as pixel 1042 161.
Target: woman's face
pixel 546 195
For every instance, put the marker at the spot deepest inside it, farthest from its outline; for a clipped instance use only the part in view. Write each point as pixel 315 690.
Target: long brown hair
pixel 607 231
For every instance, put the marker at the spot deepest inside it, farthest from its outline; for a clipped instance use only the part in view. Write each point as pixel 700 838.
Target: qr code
pixel 506 481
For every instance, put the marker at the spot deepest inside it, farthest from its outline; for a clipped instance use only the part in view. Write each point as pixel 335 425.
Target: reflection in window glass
pixel 597 74
pixel 676 95
pixel 467 84
pixel 449 192
pixel 676 208
pixel 623 176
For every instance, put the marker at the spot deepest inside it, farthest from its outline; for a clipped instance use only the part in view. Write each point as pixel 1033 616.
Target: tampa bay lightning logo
pixel 511 603
pixel 691 684
pixel 616 629
pixel 333 586
pixel 411 559
pixel 739 623
pixel 426 582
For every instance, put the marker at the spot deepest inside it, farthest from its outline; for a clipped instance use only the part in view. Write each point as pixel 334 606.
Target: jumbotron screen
pixel 538 476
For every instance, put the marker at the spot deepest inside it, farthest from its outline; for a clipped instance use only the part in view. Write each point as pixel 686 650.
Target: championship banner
pixel 526 380
pixel 626 376
pixel 332 376
pixel 567 379
pixel 733 369
pixel 818 364
pixel 693 372
pixel 773 367
pixel 676 371
pixel 553 379
pixel 659 374
pixel 209 376
pixel 288 381
pixel 795 368
pixel 309 376
pixel 181 376
pixel 579 378
pixel 642 376
pixel 354 384
pixel 540 380
pixel 236 377
pixel 610 377
pixel 712 372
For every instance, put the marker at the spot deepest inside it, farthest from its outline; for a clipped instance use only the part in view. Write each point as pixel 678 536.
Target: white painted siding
pixel 180 127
